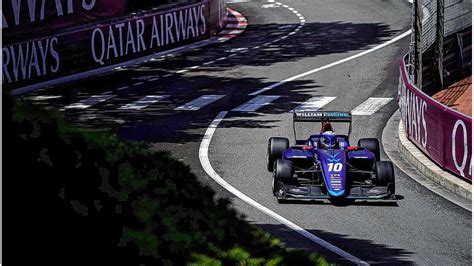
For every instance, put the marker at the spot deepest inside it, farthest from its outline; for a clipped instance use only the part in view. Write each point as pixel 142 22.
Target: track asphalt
pixel 420 228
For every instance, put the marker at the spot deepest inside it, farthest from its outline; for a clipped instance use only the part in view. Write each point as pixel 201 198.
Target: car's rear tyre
pixel 385 175
pixel 283 171
pixel 371 144
pixel 276 148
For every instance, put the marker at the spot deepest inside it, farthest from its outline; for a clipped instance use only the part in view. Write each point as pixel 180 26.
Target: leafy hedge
pixel 93 197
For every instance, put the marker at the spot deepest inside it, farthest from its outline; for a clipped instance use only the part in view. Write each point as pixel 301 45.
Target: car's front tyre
pixel 371 144
pixel 276 148
pixel 283 171
pixel 385 175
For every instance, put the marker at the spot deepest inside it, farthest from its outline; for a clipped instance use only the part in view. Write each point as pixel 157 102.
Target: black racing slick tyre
pixel 385 174
pixel 371 144
pixel 283 171
pixel 276 148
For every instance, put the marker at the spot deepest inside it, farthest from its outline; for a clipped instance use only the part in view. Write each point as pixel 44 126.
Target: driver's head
pixel 326 126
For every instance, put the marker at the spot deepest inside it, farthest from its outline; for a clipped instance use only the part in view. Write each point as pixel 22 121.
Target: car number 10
pixel 334 167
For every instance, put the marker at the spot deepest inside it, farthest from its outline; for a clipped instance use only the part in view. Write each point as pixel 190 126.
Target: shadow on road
pixel 367 250
pixel 161 123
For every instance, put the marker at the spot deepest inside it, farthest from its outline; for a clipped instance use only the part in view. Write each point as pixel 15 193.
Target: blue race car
pixel 325 166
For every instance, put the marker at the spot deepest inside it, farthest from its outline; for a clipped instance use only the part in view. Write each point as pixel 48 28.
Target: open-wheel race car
pixel 326 166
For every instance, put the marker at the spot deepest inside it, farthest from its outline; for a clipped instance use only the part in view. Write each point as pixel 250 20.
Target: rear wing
pixel 321 116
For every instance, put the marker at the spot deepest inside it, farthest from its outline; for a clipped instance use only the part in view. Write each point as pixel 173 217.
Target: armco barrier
pixel 440 132
pixel 109 42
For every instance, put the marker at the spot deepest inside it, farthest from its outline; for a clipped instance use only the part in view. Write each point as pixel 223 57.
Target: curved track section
pixel 155 102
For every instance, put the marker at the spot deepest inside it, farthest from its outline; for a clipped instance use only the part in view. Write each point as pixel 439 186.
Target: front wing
pixel 312 192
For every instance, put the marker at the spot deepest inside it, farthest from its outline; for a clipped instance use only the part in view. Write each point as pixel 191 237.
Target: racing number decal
pixel 334 167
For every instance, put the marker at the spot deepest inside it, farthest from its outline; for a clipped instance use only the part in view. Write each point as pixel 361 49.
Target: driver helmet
pixel 325 141
pixel 326 126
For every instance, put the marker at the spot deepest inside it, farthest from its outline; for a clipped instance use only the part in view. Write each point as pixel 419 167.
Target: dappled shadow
pixel 366 250
pixel 162 123
pixel 313 40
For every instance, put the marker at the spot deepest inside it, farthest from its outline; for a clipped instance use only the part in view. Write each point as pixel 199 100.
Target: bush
pixel 94 197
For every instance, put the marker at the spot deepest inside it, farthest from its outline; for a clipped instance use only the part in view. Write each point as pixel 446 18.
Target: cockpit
pixel 328 141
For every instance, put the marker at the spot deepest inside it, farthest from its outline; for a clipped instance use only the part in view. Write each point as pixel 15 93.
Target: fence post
pixel 440 42
pixel 418 43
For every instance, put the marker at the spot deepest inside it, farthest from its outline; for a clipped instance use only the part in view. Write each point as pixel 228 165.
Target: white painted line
pixel 370 106
pixel 314 103
pixel 206 165
pixel 181 71
pixel 43 97
pixel 122 88
pixel 373 49
pixel 193 67
pixel 234 19
pixel 256 103
pixel 236 26
pixel 167 75
pixel 106 92
pixel 199 103
pixel 86 103
pixel 138 83
pixel 208 63
pixel 238 1
pixel 154 79
pixel 144 102
pixel 221 58
pixel 223 39
pixel 224 32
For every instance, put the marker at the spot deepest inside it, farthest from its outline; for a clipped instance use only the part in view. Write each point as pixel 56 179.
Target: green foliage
pixel 147 201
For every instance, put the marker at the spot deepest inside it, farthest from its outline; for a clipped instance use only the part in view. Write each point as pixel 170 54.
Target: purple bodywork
pixel 333 160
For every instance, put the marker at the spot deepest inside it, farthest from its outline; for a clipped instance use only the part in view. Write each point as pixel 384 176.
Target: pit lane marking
pixel 256 103
pixel 206 164
pixel 91 101
pixel 314 104
pixel 199 103
pixel 370 106
pixel 144 102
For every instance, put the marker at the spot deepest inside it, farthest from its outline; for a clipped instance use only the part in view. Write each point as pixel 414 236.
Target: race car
pixel 326 166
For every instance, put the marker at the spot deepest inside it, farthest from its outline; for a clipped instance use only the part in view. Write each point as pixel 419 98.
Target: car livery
pixel 326 166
